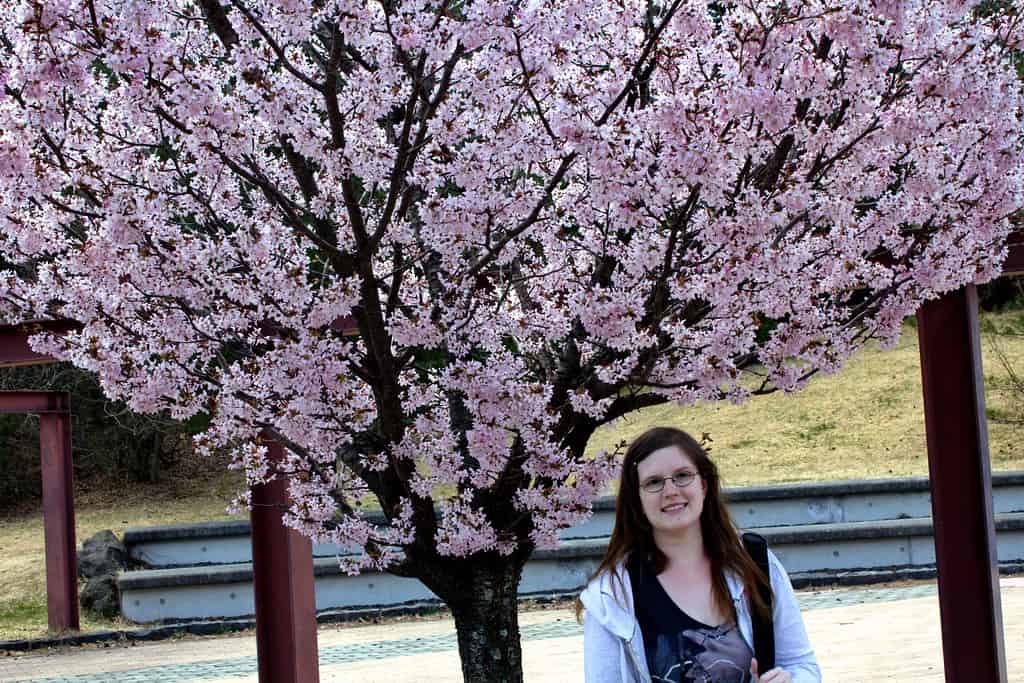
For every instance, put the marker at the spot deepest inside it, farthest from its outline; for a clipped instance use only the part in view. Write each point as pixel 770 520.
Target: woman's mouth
pixel 675 507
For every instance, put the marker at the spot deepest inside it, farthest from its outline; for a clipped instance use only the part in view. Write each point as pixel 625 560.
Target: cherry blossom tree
pixel 538 215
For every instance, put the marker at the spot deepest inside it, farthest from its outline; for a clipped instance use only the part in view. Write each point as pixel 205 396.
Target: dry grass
pixel 188 497
pixel 865 422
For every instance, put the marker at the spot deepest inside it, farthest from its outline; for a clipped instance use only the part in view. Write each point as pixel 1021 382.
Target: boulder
pixel 101 598
pixel 102 555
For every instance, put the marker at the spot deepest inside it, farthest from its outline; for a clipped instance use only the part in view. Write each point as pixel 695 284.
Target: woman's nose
pixel 671 481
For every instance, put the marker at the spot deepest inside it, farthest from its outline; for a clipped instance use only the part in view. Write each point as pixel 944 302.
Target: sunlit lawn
pixel 865 422
pixel 22 565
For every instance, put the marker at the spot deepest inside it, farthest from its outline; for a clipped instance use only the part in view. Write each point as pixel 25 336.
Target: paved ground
pixel 871 634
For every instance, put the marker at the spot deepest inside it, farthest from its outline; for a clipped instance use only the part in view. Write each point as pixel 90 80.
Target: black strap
pixel 764 629
pixel 633 568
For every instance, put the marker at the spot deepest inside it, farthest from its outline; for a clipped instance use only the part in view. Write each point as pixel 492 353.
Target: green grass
pixel 864 422
pixel 14 614
pixel 26 618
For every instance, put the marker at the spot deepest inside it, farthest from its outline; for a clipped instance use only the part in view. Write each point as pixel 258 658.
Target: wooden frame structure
pixel 958 463
pixel 54 411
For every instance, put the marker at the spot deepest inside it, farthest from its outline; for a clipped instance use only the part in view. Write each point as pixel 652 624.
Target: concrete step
pixel 228 542
pixel 813 553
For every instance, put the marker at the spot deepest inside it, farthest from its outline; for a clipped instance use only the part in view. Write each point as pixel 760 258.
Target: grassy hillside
pixel 865 422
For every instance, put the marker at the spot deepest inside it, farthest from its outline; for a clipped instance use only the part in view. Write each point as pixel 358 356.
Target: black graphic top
pixel 679 648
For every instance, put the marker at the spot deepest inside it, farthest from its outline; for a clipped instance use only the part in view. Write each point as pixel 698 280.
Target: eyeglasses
pixel 680 479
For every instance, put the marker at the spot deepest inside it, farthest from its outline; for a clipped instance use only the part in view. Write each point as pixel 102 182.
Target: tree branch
pixel 217 20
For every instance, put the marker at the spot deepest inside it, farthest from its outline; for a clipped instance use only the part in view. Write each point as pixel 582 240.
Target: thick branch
pixel 217 20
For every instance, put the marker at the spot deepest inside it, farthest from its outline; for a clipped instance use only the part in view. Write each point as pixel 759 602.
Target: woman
pixel 685 615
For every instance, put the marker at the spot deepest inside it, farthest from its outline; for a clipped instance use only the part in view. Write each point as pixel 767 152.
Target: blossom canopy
pixel 538 215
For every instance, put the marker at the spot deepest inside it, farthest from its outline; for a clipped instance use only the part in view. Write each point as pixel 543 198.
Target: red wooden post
pixel 59 521
pixel 961 483
pixel 282 562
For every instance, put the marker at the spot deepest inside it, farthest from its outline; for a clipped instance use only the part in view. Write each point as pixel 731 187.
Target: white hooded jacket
pixel 613 648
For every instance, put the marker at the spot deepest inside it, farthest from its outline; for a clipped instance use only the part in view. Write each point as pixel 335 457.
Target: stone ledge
pixel 569 550
pixel 867 577
pixel 849 531
pixel 168 532
pixel 852 487
pixel 217 529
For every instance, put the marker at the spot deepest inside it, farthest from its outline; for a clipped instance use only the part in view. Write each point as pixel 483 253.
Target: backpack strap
pixel 764 629
pixel 635 572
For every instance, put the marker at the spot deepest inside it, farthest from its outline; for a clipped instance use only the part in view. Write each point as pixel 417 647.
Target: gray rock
pixel 101 598
pixel 102 555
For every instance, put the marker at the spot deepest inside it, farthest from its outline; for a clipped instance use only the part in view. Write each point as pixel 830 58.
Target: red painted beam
pixel 34 402
pixel 282 562
pixel 961 484
pixel 59 521
pixel 14 348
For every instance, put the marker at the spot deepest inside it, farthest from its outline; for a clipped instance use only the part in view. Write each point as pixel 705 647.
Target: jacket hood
pixel 610 603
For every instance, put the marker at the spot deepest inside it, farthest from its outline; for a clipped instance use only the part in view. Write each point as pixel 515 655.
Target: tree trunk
pixel 486 616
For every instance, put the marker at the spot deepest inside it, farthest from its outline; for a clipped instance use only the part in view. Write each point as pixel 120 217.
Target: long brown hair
pixel 633 533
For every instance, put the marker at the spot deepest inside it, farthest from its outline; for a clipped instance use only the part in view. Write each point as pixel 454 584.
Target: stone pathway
pixel 866 634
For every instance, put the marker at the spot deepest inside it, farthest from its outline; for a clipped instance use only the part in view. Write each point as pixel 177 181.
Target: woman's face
pixel 673 508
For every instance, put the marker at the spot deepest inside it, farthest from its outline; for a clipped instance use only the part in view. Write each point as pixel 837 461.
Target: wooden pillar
pixel 284 590
pixel 59 520
pixel 961 485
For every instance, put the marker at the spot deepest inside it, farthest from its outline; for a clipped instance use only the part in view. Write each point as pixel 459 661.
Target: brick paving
pixel 866 634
